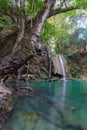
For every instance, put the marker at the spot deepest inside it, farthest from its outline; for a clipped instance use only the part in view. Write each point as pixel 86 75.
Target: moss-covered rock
pixel 77 66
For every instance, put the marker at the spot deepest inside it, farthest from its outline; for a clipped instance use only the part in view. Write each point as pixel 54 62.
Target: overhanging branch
pixel 58 11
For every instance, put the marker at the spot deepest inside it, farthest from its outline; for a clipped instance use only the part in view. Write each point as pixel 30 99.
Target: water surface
pixel 54 106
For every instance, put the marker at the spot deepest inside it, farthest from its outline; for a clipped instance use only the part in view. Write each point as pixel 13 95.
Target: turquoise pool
pixel 54 106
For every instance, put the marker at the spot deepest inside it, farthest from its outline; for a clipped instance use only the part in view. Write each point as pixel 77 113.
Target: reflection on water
pixel 63 93
pixel 54 106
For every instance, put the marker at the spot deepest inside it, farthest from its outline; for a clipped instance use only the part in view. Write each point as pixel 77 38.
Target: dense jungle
pixel 43 64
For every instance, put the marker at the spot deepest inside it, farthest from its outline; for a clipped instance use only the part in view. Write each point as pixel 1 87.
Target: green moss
pixel 85 61
pixel 43 76
pixel 71 53
pixel 75 71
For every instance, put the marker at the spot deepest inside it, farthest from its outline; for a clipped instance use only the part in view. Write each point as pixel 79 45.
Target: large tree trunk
pixel 22 25
pixel 20 35
pixel 15 60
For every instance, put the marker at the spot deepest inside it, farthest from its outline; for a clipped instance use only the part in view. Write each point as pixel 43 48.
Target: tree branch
pixel 58 11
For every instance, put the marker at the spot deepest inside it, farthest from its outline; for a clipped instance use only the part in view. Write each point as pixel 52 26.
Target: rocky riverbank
pixel 6 104
pixel 8 98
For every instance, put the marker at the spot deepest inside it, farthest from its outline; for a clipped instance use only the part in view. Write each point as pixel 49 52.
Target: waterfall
pixel 62 67
pixel 64 80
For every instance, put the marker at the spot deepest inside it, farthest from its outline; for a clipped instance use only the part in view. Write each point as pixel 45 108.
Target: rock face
pixel 77 66
pixel 4 91
pixel 5 107
pixel 84 77
pixel 57 65
pixel 36 67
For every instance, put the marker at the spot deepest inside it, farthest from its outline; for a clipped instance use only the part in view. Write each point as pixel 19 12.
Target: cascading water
pixel 62 67
pixel 64 80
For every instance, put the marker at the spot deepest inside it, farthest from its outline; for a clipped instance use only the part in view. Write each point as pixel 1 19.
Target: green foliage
pixel 81 3
pixel 62 30
pixel 4 5
pixel 49 31
pixel 75 71
pixel 71 53
pixel 85 62
pixel 6 22
pixel 43 76
pixel 68 32
pixel 62 41
pixel 33 6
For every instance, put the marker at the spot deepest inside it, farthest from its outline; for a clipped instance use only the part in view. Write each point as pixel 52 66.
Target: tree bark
pixel 63 10
pixel 22 25
pixel 26 44
pixel 20 35
pixel 15 60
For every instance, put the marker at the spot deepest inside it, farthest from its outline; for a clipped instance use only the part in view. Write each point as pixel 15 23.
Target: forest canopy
pixel 11 10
